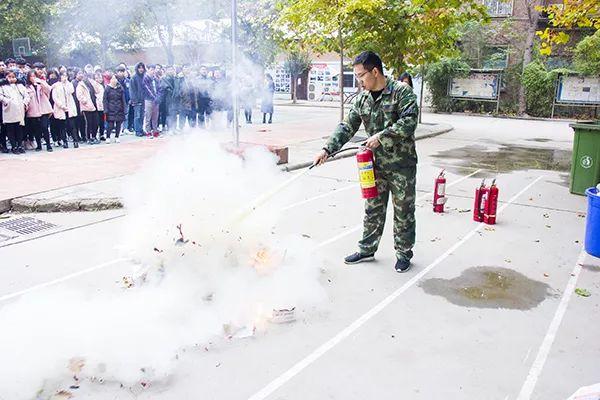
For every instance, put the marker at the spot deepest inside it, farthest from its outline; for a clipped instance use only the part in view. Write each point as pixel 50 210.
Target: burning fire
pixel 262 261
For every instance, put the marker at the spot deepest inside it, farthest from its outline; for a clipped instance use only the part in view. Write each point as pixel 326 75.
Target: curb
pixel 522 118
pixel 26 205
pixel 29 205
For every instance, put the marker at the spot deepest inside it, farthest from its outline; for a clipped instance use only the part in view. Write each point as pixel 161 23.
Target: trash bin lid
pixel 587 125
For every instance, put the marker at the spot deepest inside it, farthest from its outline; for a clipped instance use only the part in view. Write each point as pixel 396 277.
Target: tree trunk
pixel 104 55
pixel 293 87
pixel 528 49
pixel 341 80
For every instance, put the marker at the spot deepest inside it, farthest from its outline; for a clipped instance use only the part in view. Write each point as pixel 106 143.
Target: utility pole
pixel 236 128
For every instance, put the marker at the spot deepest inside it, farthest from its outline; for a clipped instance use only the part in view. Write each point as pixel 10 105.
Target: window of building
pixel 499 8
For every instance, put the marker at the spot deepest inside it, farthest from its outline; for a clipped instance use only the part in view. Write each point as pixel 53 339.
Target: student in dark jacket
pixel 136 91
pixel 151 101
pixel 114 107
pixel 170 88
pixel 124 81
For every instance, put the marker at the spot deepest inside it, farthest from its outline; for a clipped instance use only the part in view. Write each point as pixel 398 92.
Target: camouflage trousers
pixel 401 184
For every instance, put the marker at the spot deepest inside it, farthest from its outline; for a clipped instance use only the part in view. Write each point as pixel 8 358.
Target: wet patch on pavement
pixel 490 287
pixel 539 140
pixel 506 158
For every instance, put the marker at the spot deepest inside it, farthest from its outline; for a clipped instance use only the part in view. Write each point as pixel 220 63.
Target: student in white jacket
pixel 15 99
pixel 65 110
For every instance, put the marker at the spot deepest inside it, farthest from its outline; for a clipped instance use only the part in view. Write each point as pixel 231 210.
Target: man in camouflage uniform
pixel 388 110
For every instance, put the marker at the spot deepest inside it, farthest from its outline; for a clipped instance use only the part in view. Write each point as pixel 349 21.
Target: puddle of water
pixel 489 287
pixel 507 158
pixel 540 140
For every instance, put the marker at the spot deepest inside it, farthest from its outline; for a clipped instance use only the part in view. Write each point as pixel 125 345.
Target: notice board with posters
pixel 478 85
pixel 578 90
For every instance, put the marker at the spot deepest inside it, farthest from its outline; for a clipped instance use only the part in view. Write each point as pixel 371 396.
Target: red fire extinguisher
pixel 439 193
pixel 366 173
pixel 480 195
pixel 491 204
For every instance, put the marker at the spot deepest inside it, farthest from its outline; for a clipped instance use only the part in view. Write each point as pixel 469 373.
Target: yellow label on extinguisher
pixel 366 175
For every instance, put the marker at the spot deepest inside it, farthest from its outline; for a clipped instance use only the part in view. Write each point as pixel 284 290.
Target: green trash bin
pixel 585 167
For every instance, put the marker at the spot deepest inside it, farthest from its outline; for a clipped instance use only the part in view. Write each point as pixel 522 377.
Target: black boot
pixel 49 148
pixel 76 145
pixel 66 144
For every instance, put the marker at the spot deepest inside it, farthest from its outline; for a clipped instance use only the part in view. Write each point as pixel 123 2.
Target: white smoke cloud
pixel 221 275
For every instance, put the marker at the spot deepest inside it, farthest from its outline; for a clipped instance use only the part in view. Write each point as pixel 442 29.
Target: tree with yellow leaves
pixel 569 14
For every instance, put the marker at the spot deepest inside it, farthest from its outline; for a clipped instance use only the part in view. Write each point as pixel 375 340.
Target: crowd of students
pixel 53 107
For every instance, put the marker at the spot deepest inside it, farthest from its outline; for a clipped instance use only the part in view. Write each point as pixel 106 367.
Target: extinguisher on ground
pixel 486 203
pixel 490 205
pixel 439 193
pixel 480 193
pixel 366 173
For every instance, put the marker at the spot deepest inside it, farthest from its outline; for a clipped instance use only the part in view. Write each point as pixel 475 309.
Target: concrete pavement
pixel 487 312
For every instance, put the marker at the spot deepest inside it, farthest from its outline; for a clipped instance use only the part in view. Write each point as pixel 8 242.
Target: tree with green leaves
pixel 78 27
pixel 587 55
pixel 411 32
pixel 320 24
pixel 24 19
pixel 257 37
pixel 296 63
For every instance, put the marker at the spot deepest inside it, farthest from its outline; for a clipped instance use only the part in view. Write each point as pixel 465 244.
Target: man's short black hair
pixel 369 60
pixel 21 61
pixel 9 60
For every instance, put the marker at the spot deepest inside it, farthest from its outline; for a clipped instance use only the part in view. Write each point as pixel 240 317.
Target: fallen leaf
pixel 546 275
pixel 546 216
pixel 488 228
pixel 582 292
pixel 548 226
pixel 306 236
pixel 537 240
pixel 506 260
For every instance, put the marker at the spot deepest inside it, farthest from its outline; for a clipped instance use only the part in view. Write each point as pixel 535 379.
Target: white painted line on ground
pixel 60 280
pixel 527 356
pixel 354 186
pixel 353 327
pixel 359 226
pixel 544 350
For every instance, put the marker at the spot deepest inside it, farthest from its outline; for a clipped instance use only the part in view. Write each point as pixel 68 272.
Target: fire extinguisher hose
pixel 341 151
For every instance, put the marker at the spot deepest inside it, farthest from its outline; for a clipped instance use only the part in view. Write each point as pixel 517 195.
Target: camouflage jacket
pixel 394 115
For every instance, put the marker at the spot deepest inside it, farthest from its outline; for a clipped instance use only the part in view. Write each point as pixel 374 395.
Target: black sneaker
pixel 358 258
pixel 402 265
